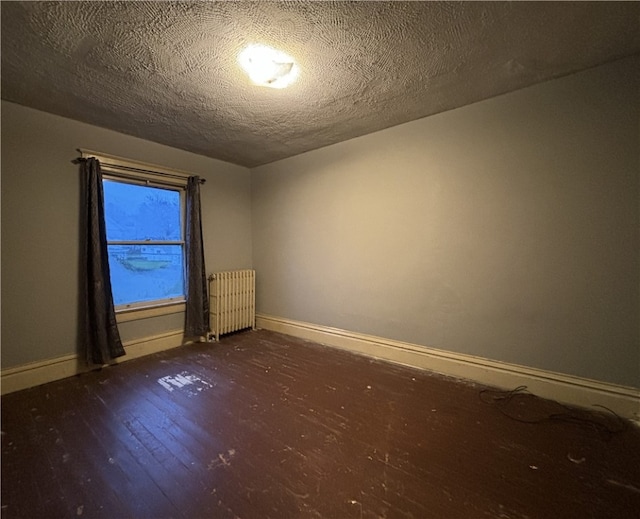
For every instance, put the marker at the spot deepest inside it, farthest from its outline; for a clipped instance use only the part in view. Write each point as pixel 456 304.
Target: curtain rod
pixel 121 163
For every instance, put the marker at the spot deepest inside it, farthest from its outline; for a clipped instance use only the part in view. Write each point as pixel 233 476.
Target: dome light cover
pixel 267 66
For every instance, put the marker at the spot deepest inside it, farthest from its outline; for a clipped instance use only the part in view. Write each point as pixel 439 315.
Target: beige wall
pixel 40 227
pixel 507 229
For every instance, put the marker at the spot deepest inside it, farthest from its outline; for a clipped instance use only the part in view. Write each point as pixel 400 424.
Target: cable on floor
pixel 605 424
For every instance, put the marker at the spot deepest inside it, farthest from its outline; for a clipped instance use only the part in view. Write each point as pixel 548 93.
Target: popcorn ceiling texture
pixel 168 71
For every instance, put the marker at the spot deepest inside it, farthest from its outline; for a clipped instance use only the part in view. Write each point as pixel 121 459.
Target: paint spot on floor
pixel 185 381
pixel 577 461
pixel 222 459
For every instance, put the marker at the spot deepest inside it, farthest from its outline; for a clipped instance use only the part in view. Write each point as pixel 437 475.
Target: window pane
pixel 134 212
pixel 145 272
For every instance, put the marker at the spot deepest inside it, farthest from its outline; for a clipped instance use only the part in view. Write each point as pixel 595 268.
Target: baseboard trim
pixel 42 372
pixel 569 389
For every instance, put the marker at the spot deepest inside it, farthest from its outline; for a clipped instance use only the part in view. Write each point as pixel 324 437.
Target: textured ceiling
pixel 168 71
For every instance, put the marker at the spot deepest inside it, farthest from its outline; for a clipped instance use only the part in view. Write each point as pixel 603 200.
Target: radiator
pixel 232 301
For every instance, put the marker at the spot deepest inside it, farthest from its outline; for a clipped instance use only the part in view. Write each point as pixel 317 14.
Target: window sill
pixel 146 312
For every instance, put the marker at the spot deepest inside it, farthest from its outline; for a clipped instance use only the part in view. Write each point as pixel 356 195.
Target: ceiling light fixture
pixel 268 67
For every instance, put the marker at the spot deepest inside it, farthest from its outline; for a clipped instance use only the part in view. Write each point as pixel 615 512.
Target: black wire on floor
pixel 606 425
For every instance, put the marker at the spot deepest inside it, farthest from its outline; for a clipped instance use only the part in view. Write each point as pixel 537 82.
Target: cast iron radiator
pixel 232 301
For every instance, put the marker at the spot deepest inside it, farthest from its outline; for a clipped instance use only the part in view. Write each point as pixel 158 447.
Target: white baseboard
pixel 37 373
pixel 569 389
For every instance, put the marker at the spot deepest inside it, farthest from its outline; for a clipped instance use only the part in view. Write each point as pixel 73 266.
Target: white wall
pixel 507 229
pixel 40 227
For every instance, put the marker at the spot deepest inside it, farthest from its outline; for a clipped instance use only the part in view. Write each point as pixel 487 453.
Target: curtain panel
pixel 99 331
pixel 197 308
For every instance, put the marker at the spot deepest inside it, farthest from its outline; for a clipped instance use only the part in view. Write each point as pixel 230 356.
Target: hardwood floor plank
pixel 149 435
pixel 261 425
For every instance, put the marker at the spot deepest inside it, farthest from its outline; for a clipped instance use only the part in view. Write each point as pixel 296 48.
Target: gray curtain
pixel 99 328
pixel 197 314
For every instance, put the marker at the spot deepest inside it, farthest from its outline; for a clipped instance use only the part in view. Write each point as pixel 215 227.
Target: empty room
pixel 320 260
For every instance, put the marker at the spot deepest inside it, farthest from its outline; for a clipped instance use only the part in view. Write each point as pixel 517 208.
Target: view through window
pixel 145 239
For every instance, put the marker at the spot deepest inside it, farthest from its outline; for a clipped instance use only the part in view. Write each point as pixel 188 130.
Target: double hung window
pixel 145 241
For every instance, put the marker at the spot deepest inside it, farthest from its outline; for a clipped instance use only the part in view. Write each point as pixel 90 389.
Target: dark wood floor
pixel 262 425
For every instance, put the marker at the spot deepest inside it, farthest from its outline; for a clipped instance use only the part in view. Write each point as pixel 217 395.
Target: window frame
pixel 131 178
pixel 123 168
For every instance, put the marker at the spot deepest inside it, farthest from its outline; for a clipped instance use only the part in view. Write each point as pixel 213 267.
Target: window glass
pixel 135 212
pixel 145 243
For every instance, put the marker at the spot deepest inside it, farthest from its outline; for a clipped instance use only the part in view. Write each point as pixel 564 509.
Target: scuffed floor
pixel 262 425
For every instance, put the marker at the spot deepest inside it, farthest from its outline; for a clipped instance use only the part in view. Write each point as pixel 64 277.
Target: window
pixel 145 240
